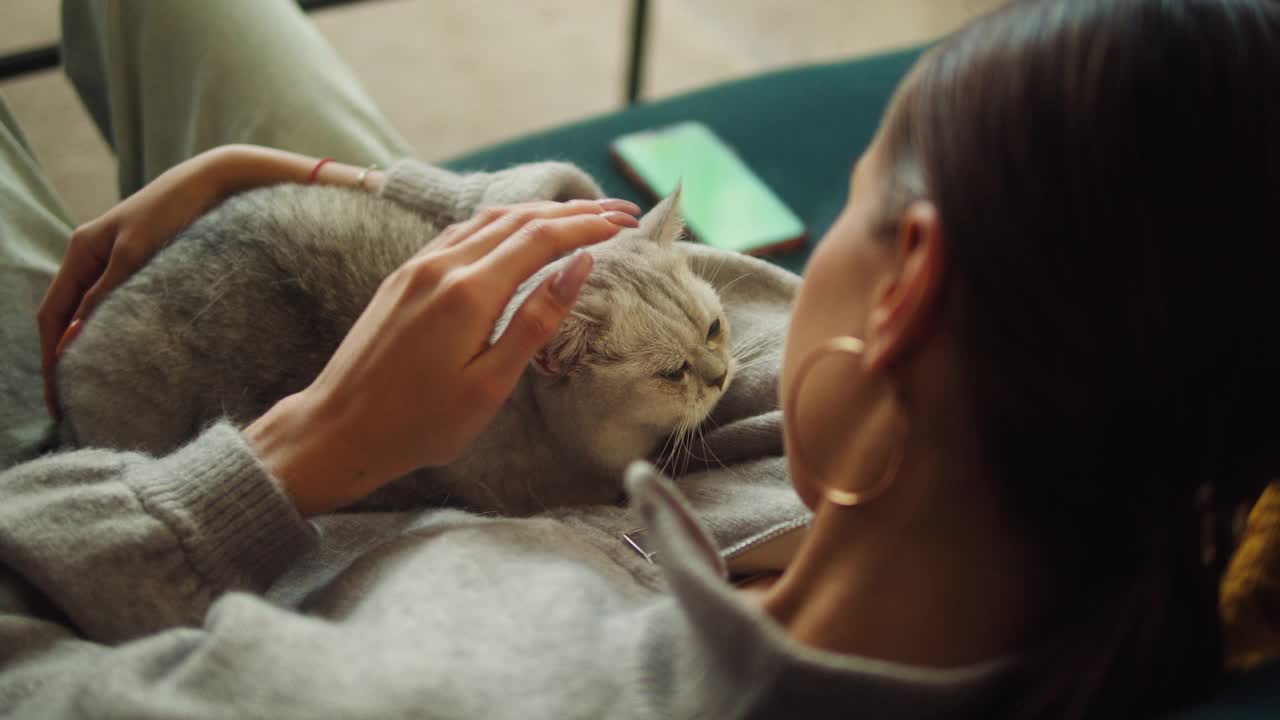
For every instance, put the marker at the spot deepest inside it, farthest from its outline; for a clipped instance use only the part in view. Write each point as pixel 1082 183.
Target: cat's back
pixel 241 308
pixel 321 240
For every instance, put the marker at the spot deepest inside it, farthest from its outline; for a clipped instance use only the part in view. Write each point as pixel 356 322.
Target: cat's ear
pixel 663 223
pixel 546 362
pixel 568 348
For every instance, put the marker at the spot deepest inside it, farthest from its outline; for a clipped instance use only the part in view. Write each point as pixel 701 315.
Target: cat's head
pixel 645 354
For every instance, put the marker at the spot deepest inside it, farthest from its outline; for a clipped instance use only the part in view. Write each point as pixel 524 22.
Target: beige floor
pixel 453 76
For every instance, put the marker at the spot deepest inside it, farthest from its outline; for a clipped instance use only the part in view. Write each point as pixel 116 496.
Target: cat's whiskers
pixel 752 352
pixel 679 464
pixel 715 273
pixel 682 450
pixel 720 265
pixel 754 363
pixel 673 442
pixel 686 434
pixel 661 452
pixel 702 438
pixel 699 269
pixel 747 365
pixel 726 286
pixel 752 347
pixel 688 446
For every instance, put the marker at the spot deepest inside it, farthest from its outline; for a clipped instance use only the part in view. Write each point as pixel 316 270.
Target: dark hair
pixel 1107 174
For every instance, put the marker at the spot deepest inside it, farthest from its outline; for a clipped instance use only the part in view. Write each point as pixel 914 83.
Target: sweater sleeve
pixel 445 197
pixel 123 544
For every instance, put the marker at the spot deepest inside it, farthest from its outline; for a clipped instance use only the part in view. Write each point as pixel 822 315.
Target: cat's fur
pixel 247 304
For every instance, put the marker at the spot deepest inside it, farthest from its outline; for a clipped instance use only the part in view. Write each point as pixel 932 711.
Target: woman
pixel 998 406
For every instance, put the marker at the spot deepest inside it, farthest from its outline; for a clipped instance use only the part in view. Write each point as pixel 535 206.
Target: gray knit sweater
pixel 187 586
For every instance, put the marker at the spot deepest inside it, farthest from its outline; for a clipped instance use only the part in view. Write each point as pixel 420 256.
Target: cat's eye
pixel 715 329
pixel 677 374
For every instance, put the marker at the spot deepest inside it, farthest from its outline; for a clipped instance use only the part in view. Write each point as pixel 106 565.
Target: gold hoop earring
pixel 847 345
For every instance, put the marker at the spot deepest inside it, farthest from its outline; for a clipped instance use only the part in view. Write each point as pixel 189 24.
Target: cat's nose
pixel 718 383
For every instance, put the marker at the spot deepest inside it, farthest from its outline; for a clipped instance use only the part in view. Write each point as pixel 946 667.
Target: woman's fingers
pixel 82 265
pixel 505 222
pixel 538 243
pixel 533 325
pixel 456 233
pixel 479 231
pixel 125 261
pixel 542 234
pixel 53 317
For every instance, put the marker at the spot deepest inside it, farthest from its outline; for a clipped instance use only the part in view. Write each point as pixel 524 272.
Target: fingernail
pixel 70 334
pixel 569 280
pixel 625 206
pixel 621 218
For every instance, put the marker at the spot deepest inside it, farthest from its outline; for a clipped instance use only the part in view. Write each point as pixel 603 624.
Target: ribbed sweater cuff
pixel 440 195
pixel 446 197
pixel 232 521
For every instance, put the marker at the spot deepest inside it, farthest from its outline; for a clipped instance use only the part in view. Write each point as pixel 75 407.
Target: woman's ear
pixel 907 303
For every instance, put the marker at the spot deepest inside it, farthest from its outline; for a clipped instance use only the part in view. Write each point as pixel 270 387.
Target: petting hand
pixel 103 253
pixel 416 380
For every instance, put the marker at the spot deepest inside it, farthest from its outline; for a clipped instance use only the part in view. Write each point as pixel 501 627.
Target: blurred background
pixel 454 76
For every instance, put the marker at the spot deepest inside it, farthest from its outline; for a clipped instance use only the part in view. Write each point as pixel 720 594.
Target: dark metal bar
pixel 310 5
pixel 639 42
pixel 29 61
pixel 47 57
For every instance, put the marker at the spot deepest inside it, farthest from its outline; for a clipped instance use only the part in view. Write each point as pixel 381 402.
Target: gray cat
pixel 247 304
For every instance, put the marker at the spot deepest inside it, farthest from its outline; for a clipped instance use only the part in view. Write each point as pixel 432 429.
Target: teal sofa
pixel 801 130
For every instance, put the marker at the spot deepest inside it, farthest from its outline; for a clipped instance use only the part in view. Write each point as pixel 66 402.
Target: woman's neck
pixel 916 578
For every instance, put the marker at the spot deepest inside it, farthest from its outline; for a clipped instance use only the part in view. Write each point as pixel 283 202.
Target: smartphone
pixel 723 202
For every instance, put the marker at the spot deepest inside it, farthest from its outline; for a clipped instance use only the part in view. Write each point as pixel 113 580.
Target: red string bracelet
pixel 315 171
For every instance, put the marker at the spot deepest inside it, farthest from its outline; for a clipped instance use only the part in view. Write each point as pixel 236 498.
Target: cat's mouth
pixel 685 448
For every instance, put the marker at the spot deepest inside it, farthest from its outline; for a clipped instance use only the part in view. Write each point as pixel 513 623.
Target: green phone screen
pixel 723 202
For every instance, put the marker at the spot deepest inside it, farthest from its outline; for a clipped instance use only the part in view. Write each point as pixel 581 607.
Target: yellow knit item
pixel 1249 598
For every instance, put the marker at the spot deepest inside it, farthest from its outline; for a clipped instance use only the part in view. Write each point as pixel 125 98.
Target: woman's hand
pixel 102 254
pixel 416 380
